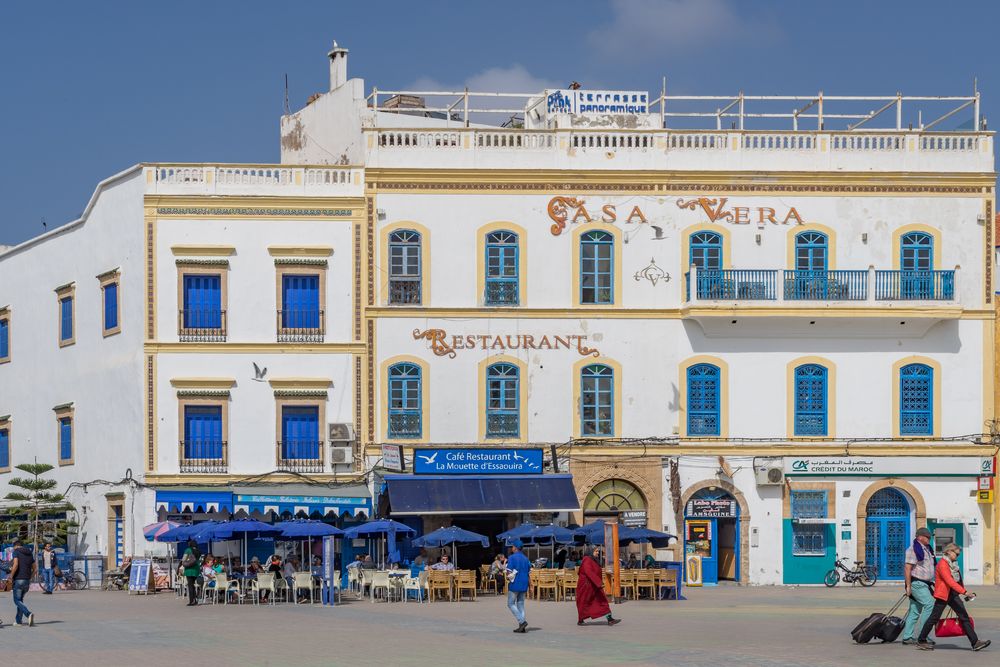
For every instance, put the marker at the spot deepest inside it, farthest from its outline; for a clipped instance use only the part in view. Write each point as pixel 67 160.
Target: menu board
pixel 138 581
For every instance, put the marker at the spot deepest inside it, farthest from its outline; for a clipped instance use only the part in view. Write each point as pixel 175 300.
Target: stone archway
pixel 915 497
pixel 744 519
pixel 644 475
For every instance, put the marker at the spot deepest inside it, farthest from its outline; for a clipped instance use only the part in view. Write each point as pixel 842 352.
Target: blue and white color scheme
pixel 432 461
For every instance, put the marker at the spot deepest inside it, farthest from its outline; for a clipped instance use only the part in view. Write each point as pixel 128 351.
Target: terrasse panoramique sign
pixel 444 345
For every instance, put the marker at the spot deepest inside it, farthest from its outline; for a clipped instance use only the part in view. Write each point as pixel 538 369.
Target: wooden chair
pixel 465 580
pixel 532 582
pixel 486 582
pixel 666 579
pixel 568 583
pixel 627 580
pixel 645 580
pixel 547 582
pixel 438 582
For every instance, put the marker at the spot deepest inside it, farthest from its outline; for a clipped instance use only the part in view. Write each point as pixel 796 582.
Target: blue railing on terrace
pixel 826 285
pixel 914 285
pixel 850 285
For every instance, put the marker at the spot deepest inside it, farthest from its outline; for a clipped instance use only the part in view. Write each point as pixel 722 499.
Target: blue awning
pixel 194 501
pixel 411 495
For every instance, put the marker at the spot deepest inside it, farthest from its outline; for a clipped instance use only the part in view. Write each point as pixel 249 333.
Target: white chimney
pixel 338 66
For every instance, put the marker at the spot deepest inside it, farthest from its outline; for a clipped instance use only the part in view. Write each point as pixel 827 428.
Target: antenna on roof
pixel 287 110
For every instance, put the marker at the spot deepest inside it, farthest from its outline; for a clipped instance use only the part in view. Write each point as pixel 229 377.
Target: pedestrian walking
pixel 918 577
pixel 591 602
pixel 191 562
pixel 948 592
pixel 518 567
pixel 48 569
pixel 23 568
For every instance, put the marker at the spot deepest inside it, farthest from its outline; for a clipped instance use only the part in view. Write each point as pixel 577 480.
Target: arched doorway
pixel 712 531
pixel 612 497
pixel 887 532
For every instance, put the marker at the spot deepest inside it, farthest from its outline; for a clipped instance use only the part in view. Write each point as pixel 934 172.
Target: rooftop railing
pixel 258 179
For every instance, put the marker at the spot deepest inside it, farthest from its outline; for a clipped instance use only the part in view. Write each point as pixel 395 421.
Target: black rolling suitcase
pixel 883 626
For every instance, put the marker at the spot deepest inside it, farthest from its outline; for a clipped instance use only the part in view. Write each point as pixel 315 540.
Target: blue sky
pixel 90 88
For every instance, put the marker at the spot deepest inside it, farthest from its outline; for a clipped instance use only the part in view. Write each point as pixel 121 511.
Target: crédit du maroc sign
pixel 444 345
pixel 564 211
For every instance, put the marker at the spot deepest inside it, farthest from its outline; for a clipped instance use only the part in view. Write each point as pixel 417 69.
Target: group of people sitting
pixel 211 567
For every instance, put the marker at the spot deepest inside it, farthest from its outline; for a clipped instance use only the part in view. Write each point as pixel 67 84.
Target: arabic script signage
pixel 436 461
pixel 927 466
pixel 717 209
pixel 444 345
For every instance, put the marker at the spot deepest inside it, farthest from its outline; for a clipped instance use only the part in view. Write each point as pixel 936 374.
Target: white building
pixel 678 312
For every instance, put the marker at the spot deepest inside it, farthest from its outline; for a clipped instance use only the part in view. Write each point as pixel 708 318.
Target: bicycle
pixel 74 580
pixel 861 573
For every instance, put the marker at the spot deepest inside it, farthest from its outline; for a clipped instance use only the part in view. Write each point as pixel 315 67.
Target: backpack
pixel 188 560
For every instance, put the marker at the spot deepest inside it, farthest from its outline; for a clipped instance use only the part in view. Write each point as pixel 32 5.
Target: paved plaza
pixel 727 625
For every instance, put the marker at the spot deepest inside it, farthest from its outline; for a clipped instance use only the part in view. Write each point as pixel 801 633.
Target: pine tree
pixel 36 508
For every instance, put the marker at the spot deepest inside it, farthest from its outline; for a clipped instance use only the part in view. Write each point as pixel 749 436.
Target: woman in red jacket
pixel 948 592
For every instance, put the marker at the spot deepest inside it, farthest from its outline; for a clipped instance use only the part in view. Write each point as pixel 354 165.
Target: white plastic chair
pixel 302 581
pixel 336 587
pixel 264 582
pixel 381 580
pixel 418 584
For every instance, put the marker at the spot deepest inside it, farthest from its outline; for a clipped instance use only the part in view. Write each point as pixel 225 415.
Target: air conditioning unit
pixel 341 455
pixel 769 472
pixel 341 433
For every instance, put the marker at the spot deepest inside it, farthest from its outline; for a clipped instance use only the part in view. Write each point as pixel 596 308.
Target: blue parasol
pixel 386 527
pixel 515 533
pixel 305 528
pixel 450 535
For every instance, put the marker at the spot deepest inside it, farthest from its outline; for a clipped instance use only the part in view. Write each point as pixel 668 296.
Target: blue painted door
pixel 701 538
pixel 887 533
pixel 300 432
pixel 300 296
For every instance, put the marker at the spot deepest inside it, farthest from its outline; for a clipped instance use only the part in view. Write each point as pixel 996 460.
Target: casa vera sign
pixel 564 211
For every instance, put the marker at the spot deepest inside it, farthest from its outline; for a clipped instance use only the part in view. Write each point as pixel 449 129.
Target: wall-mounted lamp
pixel 757 238
pixel 864 237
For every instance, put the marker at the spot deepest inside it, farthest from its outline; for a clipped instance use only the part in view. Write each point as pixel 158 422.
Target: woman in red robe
pixel 591 602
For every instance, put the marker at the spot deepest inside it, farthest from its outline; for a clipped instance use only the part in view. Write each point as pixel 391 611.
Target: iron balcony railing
pixel 201 325
pixel 915 285
pixel 203 456
pixel 301 326
pixel 849 285
pixel 404 291
pixel 502 425
pixel 501 293
pixel 826 285
pixel 300 455
pixel 404 425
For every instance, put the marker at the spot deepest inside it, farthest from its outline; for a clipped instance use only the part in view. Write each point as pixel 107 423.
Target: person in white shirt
pixel 48 569
pixel 443 564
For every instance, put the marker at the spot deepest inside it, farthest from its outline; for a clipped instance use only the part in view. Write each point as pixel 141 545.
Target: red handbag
pixel 950 627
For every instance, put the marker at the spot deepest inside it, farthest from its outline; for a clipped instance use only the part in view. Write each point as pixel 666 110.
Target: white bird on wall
pixel 429 460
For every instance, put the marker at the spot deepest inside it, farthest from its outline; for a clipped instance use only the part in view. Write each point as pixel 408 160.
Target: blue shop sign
pixel 437 461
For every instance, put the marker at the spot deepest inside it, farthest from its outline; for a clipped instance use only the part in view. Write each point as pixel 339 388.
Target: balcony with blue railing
pixel 762 285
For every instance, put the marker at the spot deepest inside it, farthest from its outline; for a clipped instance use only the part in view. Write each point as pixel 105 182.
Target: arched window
pixel 703 400
pixel 706 250
pixel 811 400
pixel 916 252
pixel 597 400
pixel 503 419
pixel 811 251
pixel 405 418
pixel 613 496
pixel 501 269
pixel 916 263
pixel 405 271
pixel 916 400
pixel 597 280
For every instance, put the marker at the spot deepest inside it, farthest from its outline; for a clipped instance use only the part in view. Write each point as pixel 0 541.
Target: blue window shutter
pixel 203 301
pixel 300 301
pixel 4 338
pixel 66 313
pixel 110 306
pixel 704 400
pixel 811 400
pixel 65 439
pixel 203 432
pixel 300 432
pixel 4 448
pixel 916 400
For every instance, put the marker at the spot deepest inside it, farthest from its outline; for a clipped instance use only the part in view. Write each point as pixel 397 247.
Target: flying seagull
pixel 259 372
pixel 429 460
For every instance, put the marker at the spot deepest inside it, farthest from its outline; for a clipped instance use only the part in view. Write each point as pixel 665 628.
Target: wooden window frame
pixel 288 267
pixel 5 425
pixel 202 268
pixel 6 317
pixel 112 277
pixel 62 293
pixel 65 412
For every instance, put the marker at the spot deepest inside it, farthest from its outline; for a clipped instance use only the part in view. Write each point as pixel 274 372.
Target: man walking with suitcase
pixel 918 575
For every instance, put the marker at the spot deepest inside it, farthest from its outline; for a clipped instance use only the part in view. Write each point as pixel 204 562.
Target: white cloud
pixel 647 28
pixel 513 79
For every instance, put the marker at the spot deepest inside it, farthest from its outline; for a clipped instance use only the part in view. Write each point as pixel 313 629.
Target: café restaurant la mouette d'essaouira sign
pixel 889 466
pixel 455 461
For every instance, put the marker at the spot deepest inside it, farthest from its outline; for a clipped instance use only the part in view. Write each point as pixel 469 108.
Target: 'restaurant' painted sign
pixel 438 461
pixel 444 345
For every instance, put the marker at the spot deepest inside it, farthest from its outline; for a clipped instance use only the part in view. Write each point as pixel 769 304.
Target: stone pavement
pixel 727 625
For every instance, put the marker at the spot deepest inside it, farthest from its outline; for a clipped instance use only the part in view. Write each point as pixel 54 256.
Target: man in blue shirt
pixel 518 567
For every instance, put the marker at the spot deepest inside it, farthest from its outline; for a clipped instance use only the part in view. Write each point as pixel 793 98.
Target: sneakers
pixel 614 621
pixel 31 620
pixel 579 622
pixel 981 644
pixel 925 646
pixel 909 642
pixel 522 628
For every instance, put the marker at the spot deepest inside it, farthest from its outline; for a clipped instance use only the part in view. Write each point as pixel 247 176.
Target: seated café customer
pixel 498 569
pixel 368 563
pixel 443 564
pixel 357 562
pixel 289 570
pixel 274 565
pixel 208 572
pixel 255 567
